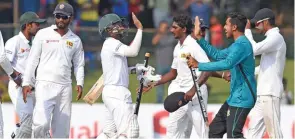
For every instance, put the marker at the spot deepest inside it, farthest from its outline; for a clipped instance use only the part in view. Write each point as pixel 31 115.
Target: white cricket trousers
pixel 181 122
pixel 52 101
pixel 23 110
pixel 266 116
pixel 119 110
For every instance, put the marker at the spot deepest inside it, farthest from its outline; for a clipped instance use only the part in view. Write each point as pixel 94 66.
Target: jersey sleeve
pixel 4 62
pixel 33 60
pixel 10 49
pixel 131 50
pixel 79 63
pixel 174 62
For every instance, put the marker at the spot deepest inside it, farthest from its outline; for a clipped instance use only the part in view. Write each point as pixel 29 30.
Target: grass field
pixel 219 88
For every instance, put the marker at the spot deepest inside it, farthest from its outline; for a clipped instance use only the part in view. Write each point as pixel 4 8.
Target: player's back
pixel 114 65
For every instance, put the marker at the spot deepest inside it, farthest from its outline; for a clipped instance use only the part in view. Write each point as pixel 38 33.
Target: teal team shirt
pixel 240 52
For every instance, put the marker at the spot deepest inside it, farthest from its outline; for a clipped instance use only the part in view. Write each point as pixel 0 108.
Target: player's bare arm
pixel 171 75
pixel 202 79
pixel 79 90
pixel 223 75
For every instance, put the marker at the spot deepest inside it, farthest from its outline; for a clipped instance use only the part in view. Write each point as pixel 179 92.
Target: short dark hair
pixel 272 21
pixel 23 27
pixel 163 22
pixel 184 21
pixel 239 20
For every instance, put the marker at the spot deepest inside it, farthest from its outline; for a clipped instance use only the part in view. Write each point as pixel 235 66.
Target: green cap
pixel 29 17
pixel 107 20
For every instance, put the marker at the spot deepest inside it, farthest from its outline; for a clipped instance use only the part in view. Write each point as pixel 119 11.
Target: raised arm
pixel 235 55
pixel 269 44
pixel 133 49
pixel 211 51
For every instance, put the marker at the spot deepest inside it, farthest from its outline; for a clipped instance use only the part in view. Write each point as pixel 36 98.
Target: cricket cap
pixel 263 14
pixel 174 101
pixel 203 24
pixel 64 8
pixel 30 17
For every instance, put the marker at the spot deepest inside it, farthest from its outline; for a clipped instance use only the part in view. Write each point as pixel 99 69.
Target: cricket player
pixel 55 50
pixel 5 64
pixel 115 95
pixel 17 51
pixel 269 83
pixel 232 115
pixel 181 121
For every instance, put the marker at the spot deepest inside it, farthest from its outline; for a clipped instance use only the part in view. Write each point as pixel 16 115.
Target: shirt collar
pixel 241 38
pixel 186 41
pixel 275 29
pixel 22 36
pixel 69 33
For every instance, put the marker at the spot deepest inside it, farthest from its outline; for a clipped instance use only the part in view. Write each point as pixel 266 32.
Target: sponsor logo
pixel 7 51
pixel 50 41
pixel 179 103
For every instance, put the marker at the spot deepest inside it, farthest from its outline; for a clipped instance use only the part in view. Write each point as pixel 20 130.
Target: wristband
pixel 222 75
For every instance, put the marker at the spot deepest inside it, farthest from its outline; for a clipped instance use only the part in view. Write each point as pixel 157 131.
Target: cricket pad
pixel 174 101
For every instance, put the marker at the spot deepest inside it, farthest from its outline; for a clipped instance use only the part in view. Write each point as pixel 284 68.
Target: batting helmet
pixel 112 23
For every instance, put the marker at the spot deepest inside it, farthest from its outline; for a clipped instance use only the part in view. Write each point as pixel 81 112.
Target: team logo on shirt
pixel 69 44
pixel 22 50
pixel 184 55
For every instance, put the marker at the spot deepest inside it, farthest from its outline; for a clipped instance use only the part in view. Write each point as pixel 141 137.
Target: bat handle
pixel 138 99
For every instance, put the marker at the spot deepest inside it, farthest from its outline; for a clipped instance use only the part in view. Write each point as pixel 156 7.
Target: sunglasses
pixel 60 16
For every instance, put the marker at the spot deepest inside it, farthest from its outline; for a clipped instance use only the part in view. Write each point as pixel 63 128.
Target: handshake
pixel 149 79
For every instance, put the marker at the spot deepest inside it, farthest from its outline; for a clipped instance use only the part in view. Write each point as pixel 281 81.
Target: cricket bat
pixel 95 91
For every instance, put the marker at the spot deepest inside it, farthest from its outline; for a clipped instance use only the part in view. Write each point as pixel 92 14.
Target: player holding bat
pixel 238 58
pixel 115 94
pixel 180 122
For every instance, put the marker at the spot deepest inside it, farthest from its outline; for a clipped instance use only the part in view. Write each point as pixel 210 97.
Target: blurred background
pixel 156 17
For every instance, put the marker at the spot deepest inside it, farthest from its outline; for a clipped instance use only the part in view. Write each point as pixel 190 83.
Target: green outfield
pixel 219 88
pixel 218 94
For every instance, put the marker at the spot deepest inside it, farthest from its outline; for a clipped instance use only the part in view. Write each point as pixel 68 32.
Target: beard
pixel 61 25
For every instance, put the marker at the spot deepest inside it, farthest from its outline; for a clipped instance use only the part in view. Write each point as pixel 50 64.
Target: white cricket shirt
pixel 184 78
pixel 114 63
pixel 17 51
pixel 54 55
pixel 273 55
pixel 4 62
pixel 114 59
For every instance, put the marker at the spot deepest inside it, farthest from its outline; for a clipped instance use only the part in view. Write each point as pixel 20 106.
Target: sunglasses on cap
pixel 61 16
